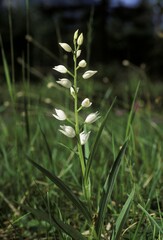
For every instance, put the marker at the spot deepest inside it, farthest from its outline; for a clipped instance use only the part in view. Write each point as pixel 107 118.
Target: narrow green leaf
pixel 108 188
pixel 59 183
pixel 7 73
pixel 151 219
pixel 56 222
pixel 156 178
pixel 27 125
pixel 46 144
pixel 122 217
pixel 131 115
pixel 96 142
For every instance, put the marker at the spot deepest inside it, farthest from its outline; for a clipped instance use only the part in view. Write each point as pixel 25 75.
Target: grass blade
pixel 7 72
pixel 59 183
pixel 151 219
pixel 96 142
pixel 60 225
pixel 122 217
pixel 46 144
pixel 132 113
pixel 156 178
pixel 108 188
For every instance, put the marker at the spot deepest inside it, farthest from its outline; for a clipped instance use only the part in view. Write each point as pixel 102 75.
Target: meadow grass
pixel 23 185
pixel 36 207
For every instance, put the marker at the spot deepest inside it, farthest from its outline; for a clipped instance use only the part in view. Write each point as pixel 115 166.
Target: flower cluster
pixel 73 131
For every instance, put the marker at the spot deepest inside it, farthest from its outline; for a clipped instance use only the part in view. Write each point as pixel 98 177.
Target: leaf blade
pixel 93 150
pixel 60 184
pixel 123 216
pixel 69 230
pixel 108 188
pixel 151 219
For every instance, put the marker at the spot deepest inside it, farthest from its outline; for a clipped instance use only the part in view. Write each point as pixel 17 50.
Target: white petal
pixel 66 47
pixel 80 39
pixel 92 117
pixel 88 74
pixel 60 68
pixel 76 34
pixel 84 137
pixel 82 63
pixel 78 53
pixel 64 82
pixel 72 91
pixel 60 115
pixel 67 131
pixel 86 103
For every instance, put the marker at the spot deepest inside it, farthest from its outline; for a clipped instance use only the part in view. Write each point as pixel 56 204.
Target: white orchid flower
pixel 92 117
pixel 66 47
pixel 60 115
pixel 76 34
pixel 60 68
pixel 78 53
pixel 80 39
pixel 64 82
pixel 84 137
pixel 67 131
pixel 72 91
pixel 86 103
pixel 88 74
pixel 82 64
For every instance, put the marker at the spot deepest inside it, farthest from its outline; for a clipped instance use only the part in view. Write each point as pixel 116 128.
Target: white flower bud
pixel 80 39
pixel 67 131
pixel 72 91
pixel 60 68
pixel 92 117
pixel 84 137
pixel 66 47
pixel 82 64
pixel 64 82
pixel 86 103
pixel 88 74
pixel 60 115
pixel 78 53
pixel 76 34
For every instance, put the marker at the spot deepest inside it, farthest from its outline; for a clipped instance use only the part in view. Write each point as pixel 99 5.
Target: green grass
pixel 23 185
pixel 126 180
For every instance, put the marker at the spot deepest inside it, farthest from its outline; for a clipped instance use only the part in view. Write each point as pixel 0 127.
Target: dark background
pixel 118 31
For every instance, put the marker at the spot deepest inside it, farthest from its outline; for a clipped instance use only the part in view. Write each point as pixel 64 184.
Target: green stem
pixel 80 151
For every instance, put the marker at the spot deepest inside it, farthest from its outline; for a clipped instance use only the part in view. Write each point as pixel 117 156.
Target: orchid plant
pixel 76 129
